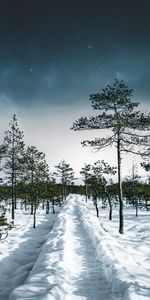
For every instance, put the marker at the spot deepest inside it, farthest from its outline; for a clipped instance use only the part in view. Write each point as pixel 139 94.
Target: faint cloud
pixel 4 100
pixel 51 79
pixel 121 76
pixel 90 47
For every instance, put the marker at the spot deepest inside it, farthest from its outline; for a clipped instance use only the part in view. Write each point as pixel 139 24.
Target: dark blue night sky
pixel 53 54
pixel 50 48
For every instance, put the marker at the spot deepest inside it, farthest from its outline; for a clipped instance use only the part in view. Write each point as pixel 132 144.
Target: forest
pixel 26 177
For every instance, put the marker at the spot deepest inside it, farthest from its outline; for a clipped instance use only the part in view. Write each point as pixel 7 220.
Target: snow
pixel 126 258
pixel 19 251
pixel 74 255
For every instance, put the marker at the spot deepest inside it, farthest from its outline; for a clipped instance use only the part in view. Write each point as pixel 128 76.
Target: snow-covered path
pixel 20 250
pixel 87 280
pixel 67 267
pixel 81 261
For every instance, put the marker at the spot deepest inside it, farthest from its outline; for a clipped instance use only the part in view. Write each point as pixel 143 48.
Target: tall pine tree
pixel 13 147
pixel 118 114
pixel 85 172
pixel 35 165
pixel 66 175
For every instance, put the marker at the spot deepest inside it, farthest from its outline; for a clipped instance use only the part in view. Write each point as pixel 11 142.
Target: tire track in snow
pixel 67 267
pixel 87 279
pixel 16 267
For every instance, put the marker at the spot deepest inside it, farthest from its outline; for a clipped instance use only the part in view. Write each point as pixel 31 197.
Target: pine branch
pixel 135 134
pixel 102 121
pixel 99 143
pixel 133 152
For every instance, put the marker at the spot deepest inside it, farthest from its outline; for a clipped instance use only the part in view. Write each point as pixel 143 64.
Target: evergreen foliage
pixel 66 175
pixel 36 172
pixel 12 152
pixel 85 172
pixel 98 183
pixel 125 125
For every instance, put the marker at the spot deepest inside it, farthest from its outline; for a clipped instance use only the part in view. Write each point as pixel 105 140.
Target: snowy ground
pixel 19 251
pixel 83 257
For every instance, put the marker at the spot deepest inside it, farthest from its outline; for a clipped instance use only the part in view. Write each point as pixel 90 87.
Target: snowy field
pixel 19 251
pixel 73 255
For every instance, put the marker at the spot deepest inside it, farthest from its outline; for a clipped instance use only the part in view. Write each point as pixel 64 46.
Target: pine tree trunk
pixel 86 192
pixel 53 205
pixel 12 177
pixel 63 192
pixel 25 202
pixel 96 206
pixel 110 207
pixel 21 205
pixel 34 216
pixel 13 204
pixel 43 204
pixel 32 193
pixel 109 202
pixel 32 207
pixel 97 210
pixel 12 191
pixel 136 204
pixel 110 214
pixel 47 207
pixel 121 217
pixel 15 195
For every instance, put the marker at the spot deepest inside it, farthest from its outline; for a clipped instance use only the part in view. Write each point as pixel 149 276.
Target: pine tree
pixel 125 124
pixel 85 172
pixel 66 174
pixel 13 146
pixel 97 181
pixel 35 165
pixel 133 180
